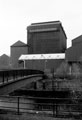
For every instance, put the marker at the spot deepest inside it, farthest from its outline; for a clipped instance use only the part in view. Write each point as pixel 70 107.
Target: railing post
pixel 13 75
pixel 3 77
pixel 53 109
pixel 18 107
pixel 56 109
pixel 7 76
pixel 35 85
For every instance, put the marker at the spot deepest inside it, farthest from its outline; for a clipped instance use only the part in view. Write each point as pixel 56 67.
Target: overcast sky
pixel 16 15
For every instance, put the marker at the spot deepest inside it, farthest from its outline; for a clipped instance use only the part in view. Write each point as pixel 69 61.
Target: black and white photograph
pixel 40 59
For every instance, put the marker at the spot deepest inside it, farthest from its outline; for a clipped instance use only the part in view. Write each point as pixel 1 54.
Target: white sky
pixel 16 15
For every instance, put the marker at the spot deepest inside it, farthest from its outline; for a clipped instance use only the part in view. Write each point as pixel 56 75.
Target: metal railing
pixel 50 106
pixel 13 74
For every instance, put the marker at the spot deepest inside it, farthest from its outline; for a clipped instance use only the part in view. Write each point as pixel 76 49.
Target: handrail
pixel 23 104
pixel 8 75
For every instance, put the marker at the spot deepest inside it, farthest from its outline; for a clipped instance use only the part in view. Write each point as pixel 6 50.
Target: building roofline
pixel 48 23
pixel 76 39
pixel 16 44
pixel 63 30
pixel 19 46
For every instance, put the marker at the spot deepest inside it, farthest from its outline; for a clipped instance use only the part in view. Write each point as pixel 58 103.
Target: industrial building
pixel 17 49
pixel 5 62
pixel 46 47
pixel 45 39
pixel 74 53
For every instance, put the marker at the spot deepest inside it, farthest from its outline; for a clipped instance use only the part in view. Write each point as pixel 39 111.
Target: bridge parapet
pixel 10 86
pixel 14 74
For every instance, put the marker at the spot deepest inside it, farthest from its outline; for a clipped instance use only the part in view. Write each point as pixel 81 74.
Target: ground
pixel 26 116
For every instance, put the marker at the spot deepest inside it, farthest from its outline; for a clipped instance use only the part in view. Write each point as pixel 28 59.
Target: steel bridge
pixel 13 79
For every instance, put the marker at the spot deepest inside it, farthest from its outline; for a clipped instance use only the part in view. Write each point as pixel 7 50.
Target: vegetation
pixel 72 81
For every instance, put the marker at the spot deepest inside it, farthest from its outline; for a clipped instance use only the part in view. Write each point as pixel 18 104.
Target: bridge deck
pixel 11 80
pixel 20 82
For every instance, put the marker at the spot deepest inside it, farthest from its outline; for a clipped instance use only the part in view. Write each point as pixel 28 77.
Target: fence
pixel 50 106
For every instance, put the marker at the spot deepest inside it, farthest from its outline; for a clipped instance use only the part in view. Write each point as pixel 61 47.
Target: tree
pixel 75 70
pixel 63 69
pixel 74 85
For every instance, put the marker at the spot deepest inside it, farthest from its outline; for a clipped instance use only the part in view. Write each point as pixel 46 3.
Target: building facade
pixel 46 37
pixel 5 62
pixel 17 49
pixel 74 53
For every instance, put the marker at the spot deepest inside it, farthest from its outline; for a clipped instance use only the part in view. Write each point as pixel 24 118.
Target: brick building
pixel 74 53
pixel 17 49
pixel 5 62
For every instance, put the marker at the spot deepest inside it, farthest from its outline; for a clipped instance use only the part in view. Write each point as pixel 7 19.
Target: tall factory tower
pixel 46 37
pixel 46 46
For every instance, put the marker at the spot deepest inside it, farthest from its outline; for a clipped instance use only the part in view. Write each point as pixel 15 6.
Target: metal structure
pixel 11 80
pixel 45 57
pixel 42 56
pixel 61 107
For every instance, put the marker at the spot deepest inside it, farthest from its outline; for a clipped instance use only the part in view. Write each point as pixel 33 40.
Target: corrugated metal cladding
pixel 46 38
pixel 74 53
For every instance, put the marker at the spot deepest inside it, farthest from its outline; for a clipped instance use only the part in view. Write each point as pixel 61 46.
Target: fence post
pixel 53 92
pixel 53 109
pixel 18 108
pixel 56 109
